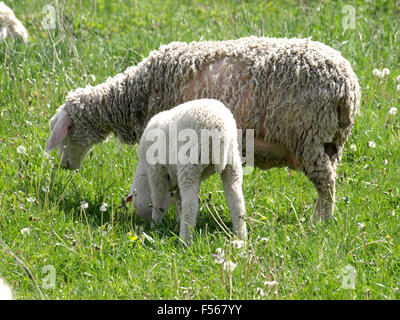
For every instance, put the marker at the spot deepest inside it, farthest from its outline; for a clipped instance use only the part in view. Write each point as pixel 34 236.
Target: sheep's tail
pixel 349 106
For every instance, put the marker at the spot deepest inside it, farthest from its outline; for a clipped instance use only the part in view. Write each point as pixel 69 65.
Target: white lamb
pixel 171 163
pixel 10 25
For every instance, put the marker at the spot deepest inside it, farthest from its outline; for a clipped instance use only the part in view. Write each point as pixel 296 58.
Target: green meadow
pixel 59 241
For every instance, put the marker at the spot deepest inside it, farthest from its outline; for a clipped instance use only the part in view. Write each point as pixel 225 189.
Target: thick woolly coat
pixel 300 97
pixel 10 26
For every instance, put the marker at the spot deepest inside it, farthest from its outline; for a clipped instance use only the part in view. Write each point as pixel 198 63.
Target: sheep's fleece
pixel 10 26
pixel 155 179
pixel 300 96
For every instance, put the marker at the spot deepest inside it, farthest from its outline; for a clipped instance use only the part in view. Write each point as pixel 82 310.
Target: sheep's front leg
pixel 232 177
pixel 178 206
pixel 189 187
pixel 160 195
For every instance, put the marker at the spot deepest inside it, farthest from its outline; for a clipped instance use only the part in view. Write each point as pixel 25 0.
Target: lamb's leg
pixel 177 204
pixel 232 182
pixel 189 187
pixel 320 170
pixel 160 195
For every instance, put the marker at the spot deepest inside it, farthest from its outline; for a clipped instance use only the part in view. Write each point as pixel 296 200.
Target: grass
pixel 91 252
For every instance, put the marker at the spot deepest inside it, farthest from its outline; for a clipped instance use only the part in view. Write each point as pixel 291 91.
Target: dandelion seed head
pixel 103 207
pixel 229 266
pixel 243 254
pixel 219 256
pixel 21 150
pixel 372 144
pixel 270 283
pixel 30 199
pixel 84 205
pixel 238 244
pixel 264 239
pixel 392 110
pixel 376 73
pixel 25 231
pixel 385 72
pixel 360 225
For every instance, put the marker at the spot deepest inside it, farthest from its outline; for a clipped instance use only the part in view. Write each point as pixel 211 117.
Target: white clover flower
pixel 353 147
pixel 25 231
pixel 238 244
pixel 84 205
pixel 360 225
pixel 376 73
pixel 398 88
pixel 372 144
pixel 21 150
pixel 397 79
pixel 5 291
pixel 392 110
pixel 103 207
pixel 385 162
pixel 219 256
pixel 229 266
pixel 385 72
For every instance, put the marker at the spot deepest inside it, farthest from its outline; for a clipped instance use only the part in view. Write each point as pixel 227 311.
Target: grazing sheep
pixel 300 97
pixel 10 26
pixel 212 147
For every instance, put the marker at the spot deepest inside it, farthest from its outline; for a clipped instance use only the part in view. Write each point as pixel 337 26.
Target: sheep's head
pixel 140 194
pixel 65 136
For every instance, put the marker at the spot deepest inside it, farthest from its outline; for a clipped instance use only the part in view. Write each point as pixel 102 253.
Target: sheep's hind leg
pixel 232 177
pixel 189 187
pixel 319 169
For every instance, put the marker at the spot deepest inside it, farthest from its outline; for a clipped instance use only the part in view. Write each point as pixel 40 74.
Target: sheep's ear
pixel 59 132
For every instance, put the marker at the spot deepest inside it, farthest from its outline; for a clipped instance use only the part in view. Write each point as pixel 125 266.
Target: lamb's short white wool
pixel 154 182
pixel 5 291
pixel 10 26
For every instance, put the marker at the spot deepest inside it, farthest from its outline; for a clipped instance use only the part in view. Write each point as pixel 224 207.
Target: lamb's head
pixel 140 193
pixel 67 137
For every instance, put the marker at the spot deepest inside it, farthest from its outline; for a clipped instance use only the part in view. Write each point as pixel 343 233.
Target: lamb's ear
pixel 59 132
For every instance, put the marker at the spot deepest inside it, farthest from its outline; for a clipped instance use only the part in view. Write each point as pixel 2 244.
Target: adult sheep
pixel 300 97
pixel 10 25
